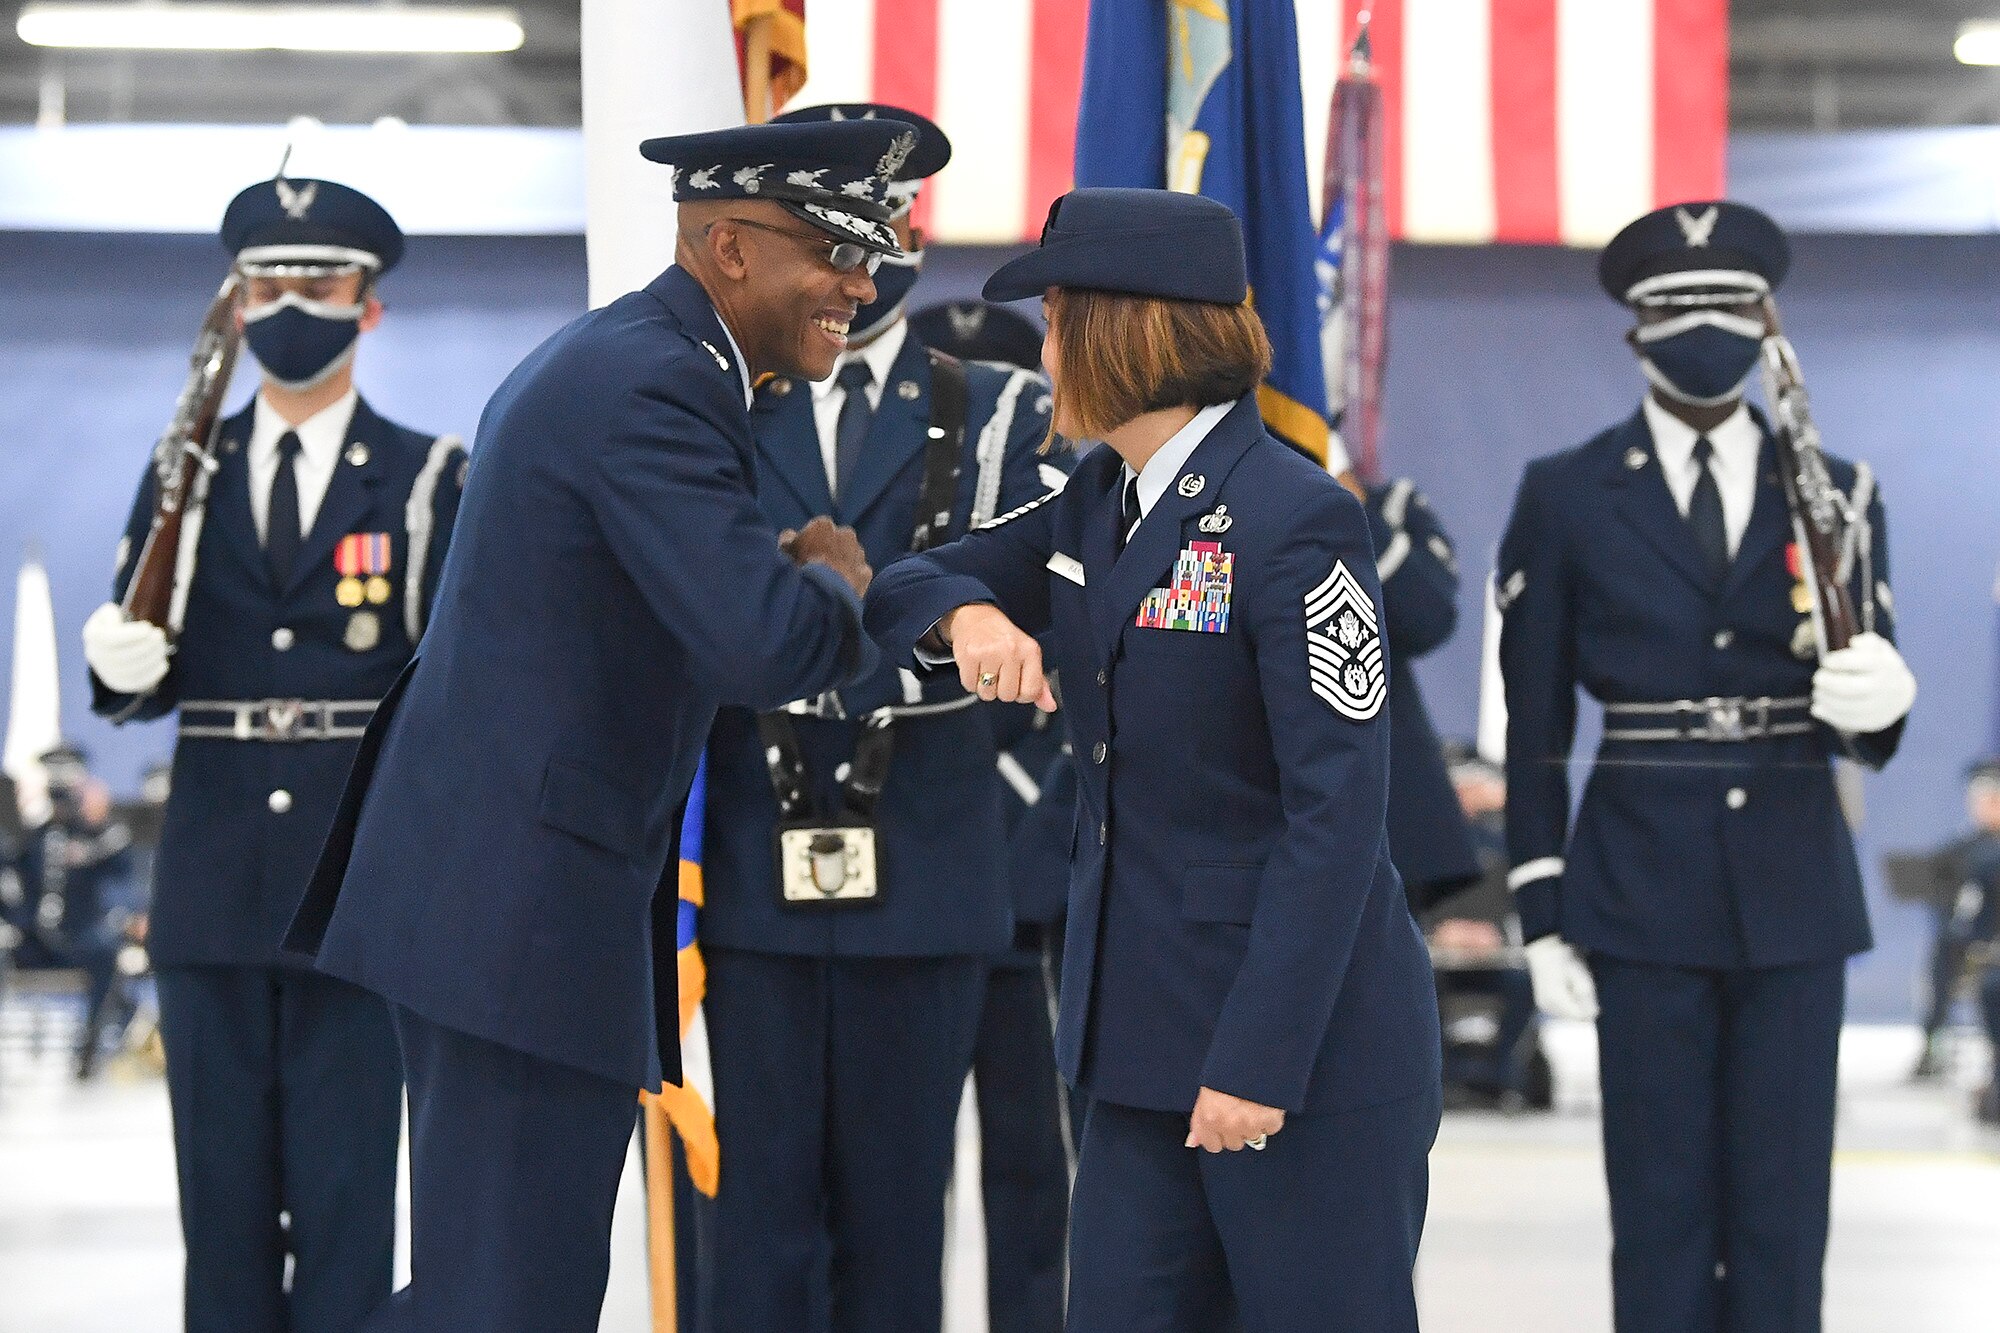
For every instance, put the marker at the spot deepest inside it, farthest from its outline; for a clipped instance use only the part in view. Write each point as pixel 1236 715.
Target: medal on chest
pixel 363 559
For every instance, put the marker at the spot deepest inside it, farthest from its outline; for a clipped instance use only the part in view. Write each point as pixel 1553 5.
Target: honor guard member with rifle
pixel 1246 999
pixel 1429 839
pixel 1025 1134
pixel 298 591
pixel 856 890
pixel 1723 589
pixel 495 864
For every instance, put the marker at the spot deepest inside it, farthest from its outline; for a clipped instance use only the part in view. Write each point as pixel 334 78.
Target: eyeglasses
pixel 844 256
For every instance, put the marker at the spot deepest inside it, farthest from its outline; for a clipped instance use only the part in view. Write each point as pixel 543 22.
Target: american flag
pixel 1506 120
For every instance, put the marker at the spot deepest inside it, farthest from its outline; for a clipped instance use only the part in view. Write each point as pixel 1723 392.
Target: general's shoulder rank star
pixel 1344 646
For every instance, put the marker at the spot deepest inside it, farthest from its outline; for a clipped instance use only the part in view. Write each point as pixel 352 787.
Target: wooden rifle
pixel 183 462
pixel 1829 534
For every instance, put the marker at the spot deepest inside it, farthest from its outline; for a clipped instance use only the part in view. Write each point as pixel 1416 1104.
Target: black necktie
pixel 855 416
pixel 281 518
pixel 1129 513
pixel 1711 534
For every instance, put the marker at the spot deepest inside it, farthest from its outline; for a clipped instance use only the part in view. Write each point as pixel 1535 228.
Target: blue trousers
pixel 514 1166
pixel 1317 1233
pixel 286 1096
pixel 1023 1154
pixel 837 1084
pixel 1718 1142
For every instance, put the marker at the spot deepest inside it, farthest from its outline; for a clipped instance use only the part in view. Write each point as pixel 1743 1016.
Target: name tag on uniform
pixel 1068 566
pixel 1197 596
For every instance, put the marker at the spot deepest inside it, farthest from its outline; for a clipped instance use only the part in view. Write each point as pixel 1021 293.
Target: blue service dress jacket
pixel 247 817
pixel 1428 837
pixel 1685 853
pixel 943 891
pixel 494 859
pixel 1234 919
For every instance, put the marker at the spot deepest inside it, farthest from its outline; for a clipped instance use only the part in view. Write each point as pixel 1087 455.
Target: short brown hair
pixel 1124 355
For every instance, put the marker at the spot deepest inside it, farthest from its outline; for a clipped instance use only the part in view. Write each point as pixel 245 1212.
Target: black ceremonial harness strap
pixel 868 772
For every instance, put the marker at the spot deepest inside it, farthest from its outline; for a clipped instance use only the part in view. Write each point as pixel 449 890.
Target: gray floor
pixel 1517 1237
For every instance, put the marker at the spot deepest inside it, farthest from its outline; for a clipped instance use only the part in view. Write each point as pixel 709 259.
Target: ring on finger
pixel 987 679
pixel 1257 1143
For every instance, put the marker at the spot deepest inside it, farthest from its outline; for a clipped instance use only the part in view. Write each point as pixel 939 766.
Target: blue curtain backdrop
pixel 1498 355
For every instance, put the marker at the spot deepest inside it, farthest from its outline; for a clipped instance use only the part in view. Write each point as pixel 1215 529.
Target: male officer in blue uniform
pixel 494 863
pixel 1705 902
pixel 1428 837
pixel 859 996
pixel 325 530
pixel 1026 1135
pixel 1242 970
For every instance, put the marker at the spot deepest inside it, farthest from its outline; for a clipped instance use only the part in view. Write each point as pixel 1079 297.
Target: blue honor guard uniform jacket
pixel 494 860
pixel 1234 919
pixel 274 685
pixel 1685 852
pixel 1429 839
pixel 942 890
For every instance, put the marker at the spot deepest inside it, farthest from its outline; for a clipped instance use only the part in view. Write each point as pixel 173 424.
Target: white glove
pixel 1563 984
pixel 129 656
pixel 1863 687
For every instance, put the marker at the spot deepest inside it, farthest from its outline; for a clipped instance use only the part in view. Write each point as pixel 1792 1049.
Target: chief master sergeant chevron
pixel 493 864
pixel 1709 879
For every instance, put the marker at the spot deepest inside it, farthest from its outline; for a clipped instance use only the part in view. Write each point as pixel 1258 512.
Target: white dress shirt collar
pixel 880 354
pixel 828 397
pixel 321 438
pixel 1737 442
pixel 1163 467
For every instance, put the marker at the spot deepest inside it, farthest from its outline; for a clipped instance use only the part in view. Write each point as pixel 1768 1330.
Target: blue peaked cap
pixel 1713 235
pixel 1180 247
pixel 832 174
pixel 979 331
pixel 303 221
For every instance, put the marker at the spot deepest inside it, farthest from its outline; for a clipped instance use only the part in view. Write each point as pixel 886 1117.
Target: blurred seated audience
pixel 1961 885
pixel 1492 1057
pixel 78 904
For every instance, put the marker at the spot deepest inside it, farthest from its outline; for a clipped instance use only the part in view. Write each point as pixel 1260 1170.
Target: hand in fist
pixel 995 659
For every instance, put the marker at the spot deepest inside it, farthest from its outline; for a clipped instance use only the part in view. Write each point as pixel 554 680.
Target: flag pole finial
pixel 1361 57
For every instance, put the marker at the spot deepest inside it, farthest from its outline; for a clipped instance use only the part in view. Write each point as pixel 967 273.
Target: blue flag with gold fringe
pixel 1202 96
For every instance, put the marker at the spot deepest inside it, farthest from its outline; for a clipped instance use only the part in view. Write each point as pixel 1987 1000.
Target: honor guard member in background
pixel 1025 1138
pixel 79 897
pixel 494 864
pixel 856 888
pixel 326 526
pixel 1242 970
pixel 1428 838
pixel 1705 903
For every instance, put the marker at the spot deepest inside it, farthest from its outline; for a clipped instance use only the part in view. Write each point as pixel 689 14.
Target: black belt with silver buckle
pixel 276 719
pixel 1714 719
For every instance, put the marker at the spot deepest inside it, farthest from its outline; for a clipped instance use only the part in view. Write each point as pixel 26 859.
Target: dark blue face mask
pixel 1702 357
pixel 299 342
pixel 893 281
